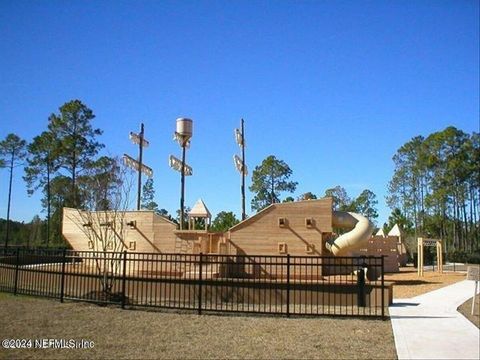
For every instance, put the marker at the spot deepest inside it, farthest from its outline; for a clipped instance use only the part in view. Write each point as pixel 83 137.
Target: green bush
pixel 461 256
pixel 474 258
pixel 457 256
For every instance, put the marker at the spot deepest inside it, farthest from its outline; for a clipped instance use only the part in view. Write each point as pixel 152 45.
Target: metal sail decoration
pixel 240 162
pixel 135 165
pixel 239 138
pixel 176 164
pixel 241 167
pixel 138 139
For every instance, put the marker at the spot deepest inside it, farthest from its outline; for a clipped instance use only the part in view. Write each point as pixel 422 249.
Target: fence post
pixel 62 284
pixel 361 287
pixel 288 285
pixel 200 286
pixel 17 264
pixel 124 278
pixel 383 288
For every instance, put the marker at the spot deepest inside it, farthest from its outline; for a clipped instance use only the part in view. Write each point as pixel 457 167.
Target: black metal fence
pixel 288 285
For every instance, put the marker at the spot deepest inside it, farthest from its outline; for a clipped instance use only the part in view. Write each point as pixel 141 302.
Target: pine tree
pixel 77 144
pixel 270 179
pixel 12 152
pixel 41 165
pixel 148 196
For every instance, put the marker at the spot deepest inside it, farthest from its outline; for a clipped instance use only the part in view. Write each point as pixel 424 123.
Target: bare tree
pixel 105 189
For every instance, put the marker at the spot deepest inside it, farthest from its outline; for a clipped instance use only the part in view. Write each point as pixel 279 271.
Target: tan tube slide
pixel 362 230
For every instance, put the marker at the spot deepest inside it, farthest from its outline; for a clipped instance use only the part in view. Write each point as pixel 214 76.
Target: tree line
pixel 272 178
pixel 61 163
pixel 434 191
pixel 435 188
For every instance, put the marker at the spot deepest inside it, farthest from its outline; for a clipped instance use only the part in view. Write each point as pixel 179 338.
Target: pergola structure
pixel 199 211
pixel 429 242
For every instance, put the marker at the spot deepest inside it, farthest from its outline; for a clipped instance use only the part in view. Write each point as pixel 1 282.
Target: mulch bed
pixel 408 284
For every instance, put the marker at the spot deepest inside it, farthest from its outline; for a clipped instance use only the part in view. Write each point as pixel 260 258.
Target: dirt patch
pixel 130 334
pixel 466 310
pixel 408 284
pixel 106 296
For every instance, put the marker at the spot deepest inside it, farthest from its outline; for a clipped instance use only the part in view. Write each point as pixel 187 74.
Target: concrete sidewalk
pixel 430 327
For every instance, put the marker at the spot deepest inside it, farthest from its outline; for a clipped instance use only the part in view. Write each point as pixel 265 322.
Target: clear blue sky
pixel 333 88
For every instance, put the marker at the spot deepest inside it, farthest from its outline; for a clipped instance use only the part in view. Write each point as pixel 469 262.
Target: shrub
pixel 464 257
pixel 474 258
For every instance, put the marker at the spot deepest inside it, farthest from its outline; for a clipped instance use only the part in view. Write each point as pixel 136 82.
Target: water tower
pixel 183 134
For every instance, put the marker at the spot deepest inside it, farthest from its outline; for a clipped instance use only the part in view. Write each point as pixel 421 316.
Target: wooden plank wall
pixel 261 234
pixel 379 245
pixel 201 241
pixel 152 233
pixel 163 233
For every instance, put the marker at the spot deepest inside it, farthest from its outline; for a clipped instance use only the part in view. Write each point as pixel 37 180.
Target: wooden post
pixel 439 257
pixel 473 299
pixel 429 242
pixel 420 256
pixel 182 186
pixel 244 216
pixel 473 273
pixel 140 155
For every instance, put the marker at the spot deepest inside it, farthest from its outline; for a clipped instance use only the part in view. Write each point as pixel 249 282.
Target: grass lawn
pixel 133 334
pixel 164 335
pixel 466 310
